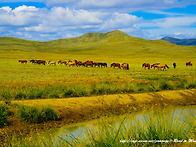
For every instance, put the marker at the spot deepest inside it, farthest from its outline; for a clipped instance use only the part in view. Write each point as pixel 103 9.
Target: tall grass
pixel 159 126
pixel 99 88
pixel 36 115
pixel 4 112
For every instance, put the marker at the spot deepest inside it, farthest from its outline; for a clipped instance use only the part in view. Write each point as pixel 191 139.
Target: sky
pixel 44 20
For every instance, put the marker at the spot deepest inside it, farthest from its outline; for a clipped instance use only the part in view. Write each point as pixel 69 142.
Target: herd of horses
pixel 155 65
pixel 162 66
pixel 89 63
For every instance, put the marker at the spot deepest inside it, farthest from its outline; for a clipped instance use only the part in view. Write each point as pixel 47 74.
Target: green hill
pixel 113 43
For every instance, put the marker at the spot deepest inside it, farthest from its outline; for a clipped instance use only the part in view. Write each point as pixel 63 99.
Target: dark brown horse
pixel 22 61
pixel 79 63
pixel 189 63
pixel 41 62
pixel 96 64
pixel 102 64
pixel 115 65
pixel 146 65
pixel 62 62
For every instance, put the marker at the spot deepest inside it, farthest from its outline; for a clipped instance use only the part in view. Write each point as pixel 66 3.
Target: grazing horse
pixel 189 63
pixel 115 65
pixel 162 66
pixel 32 61
pixel 96 64
pixel 62 62
pixel 40 62
pixel 71 63
pixel 102 64
pixel 23 61
pixel 88 63
pixel 52 62
pixel 125 66
pixel 146 65
pixel 79 63
pixel 154 65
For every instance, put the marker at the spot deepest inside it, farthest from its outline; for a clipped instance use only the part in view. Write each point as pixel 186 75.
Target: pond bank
pixel 73 110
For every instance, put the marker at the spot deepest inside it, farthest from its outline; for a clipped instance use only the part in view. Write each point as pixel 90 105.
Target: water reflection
pixel 78 130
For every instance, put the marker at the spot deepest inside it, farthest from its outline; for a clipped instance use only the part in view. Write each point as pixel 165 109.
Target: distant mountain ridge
pixel 180 41
pixel 114 43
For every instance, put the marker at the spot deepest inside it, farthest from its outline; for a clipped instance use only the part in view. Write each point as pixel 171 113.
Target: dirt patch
pixel 73 110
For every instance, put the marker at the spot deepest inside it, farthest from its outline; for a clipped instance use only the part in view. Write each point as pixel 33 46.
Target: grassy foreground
pixel 74 110
pixel 175 127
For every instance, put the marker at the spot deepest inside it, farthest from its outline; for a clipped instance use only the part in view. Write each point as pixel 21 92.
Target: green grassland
pixel 21 81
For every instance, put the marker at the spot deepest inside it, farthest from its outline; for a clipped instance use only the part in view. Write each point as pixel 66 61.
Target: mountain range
pixel 113 43
pixel 180 41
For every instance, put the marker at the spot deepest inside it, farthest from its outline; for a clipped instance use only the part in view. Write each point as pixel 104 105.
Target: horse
pixel 146 65
pixel 174 65
pixel 189 63
pixel 154 65
pixel 102 64
pixel 125 66
pixel 162 66
pixel 79 63
pixel 62 62
pixel 32 61
pixel 23 61
pixel 96 64
pixel 71 63
pixel 115 65
pixel 52 62
pixel 88 63
pixel 41 62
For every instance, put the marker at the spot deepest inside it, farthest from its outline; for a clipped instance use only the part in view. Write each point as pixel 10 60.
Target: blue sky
pixel 45 20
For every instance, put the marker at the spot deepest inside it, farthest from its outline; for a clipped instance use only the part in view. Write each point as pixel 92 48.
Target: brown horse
pixel 23 61
pixel 62 62
pixel 125 66
pixel 162 66
pixel 189 63
pixel 154 65
pixel 115 65
pixel 88 63
pixel 96 64
pixel 79 63
pixel 40 62
pixel 146 65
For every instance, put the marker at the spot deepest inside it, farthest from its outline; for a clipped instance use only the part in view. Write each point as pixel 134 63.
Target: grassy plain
pixel 28 81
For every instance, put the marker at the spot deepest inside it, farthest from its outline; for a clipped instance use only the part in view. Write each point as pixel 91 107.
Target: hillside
pixel 180 41
pixel 112 43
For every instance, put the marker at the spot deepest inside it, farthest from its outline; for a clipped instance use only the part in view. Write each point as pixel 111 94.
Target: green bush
pixel 165 86
pixel 3 116
pixel 36 115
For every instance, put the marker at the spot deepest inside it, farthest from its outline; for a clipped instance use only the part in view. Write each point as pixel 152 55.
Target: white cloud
pixel 19 16
pixel 60 22
pixel 119 21
pixel 184 21
pixel 120 5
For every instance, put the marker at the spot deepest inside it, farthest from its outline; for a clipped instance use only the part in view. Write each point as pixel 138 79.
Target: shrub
pixel 165 86
pixel 3 116
pixel 36 115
